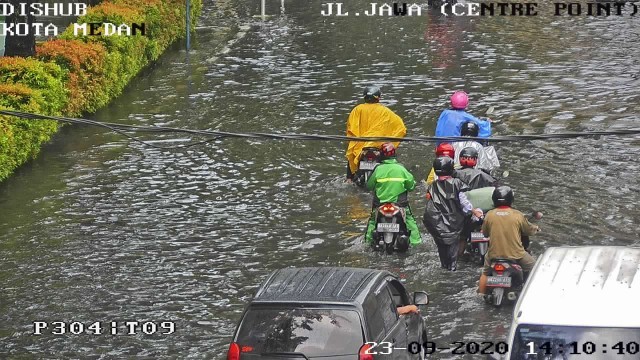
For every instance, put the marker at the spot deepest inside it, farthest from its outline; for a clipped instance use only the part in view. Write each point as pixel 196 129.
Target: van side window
pixel 400 297
pixel 373 317
pixel 388 309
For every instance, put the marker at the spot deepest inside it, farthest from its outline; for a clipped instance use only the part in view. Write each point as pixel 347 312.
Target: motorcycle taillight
pixel 372 154
pixel 389 210
pixel 499 268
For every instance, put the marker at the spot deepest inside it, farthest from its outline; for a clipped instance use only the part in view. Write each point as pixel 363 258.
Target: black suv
pixel 329 313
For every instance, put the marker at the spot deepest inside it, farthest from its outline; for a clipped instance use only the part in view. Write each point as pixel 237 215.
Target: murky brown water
pixel 100 228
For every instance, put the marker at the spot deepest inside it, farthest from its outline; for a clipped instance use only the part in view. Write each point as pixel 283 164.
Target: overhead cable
pixel 213 135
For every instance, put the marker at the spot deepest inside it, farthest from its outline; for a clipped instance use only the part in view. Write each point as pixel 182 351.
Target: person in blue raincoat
pixel 451 120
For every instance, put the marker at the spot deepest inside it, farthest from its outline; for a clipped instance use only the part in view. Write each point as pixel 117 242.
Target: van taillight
pixel 363 354
pixel 234 352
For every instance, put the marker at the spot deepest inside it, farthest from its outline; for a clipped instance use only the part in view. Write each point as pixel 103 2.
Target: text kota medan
pixel 59 9
pixel 37 9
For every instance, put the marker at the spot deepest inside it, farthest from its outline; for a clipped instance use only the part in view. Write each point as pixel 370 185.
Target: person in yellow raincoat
pixel 370 119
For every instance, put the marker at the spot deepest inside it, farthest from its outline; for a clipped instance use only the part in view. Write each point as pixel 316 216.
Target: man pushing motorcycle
pixel 447 211
pixel 391 182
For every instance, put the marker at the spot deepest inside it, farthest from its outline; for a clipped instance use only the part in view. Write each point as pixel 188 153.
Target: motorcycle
pixel 369 159
pixel 477 245
pixel 391 231
pixel 506 275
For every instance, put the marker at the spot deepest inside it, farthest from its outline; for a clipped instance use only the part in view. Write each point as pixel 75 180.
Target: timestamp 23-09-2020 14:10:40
pixel 490 348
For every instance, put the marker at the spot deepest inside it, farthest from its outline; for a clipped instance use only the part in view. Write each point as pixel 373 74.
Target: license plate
pixel 499 281
pixel 367 165
pixel 478 237
pixel 388 227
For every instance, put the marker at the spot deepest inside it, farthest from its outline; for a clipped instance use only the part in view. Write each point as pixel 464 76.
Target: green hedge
pixel 75 74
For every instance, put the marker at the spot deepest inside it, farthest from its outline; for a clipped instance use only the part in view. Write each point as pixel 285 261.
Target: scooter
pixel 506 275
pixel 369 159
pixel 477 245
pixel 391 231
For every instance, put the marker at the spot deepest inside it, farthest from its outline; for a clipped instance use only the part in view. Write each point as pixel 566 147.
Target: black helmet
pixel 469 152
pixel 468 157
pixel 443 166
pixel 372 94
pixel 469 128
pixel 502 196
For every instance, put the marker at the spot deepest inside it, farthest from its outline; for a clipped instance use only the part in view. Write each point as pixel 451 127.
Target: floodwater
pixel 100 228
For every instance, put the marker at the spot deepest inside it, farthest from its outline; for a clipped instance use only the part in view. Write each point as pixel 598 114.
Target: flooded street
pixel 102 228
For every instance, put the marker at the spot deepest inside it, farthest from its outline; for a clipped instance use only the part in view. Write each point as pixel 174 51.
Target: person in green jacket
pixel 392 182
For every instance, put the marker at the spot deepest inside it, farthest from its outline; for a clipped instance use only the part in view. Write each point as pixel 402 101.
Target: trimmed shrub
pixel 18 97
pixel 75 74
pixel 85 63
pixel 49 78
pixel 20 139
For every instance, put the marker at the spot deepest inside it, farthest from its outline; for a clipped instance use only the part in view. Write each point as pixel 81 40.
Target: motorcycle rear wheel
pixel 403 246
pixel 497 295
pixel 389 248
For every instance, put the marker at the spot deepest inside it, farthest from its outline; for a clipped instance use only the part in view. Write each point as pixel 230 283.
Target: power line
pixel 218 135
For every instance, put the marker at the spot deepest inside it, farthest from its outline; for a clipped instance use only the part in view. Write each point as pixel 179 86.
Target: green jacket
pixel 390 179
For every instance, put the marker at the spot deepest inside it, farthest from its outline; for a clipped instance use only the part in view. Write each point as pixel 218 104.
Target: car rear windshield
pixel 575 342
pixel 312 332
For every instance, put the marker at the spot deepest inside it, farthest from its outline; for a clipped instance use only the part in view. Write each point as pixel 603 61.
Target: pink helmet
pixel 459 100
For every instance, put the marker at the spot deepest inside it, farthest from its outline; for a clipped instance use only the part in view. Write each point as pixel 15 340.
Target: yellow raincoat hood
pixel 371 120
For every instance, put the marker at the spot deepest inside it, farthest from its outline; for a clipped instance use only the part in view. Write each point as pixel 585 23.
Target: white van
pixel 579 303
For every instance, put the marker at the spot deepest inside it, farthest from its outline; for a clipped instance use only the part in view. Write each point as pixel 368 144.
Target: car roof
pixel 318 285
pixel 595 286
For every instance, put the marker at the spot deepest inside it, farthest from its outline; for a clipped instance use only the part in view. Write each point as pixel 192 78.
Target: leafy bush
pixel 85 63
pixel 47 77
pixel 20 139
pixel 75 74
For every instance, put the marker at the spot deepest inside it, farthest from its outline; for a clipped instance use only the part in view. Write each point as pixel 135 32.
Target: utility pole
pixel 188 25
